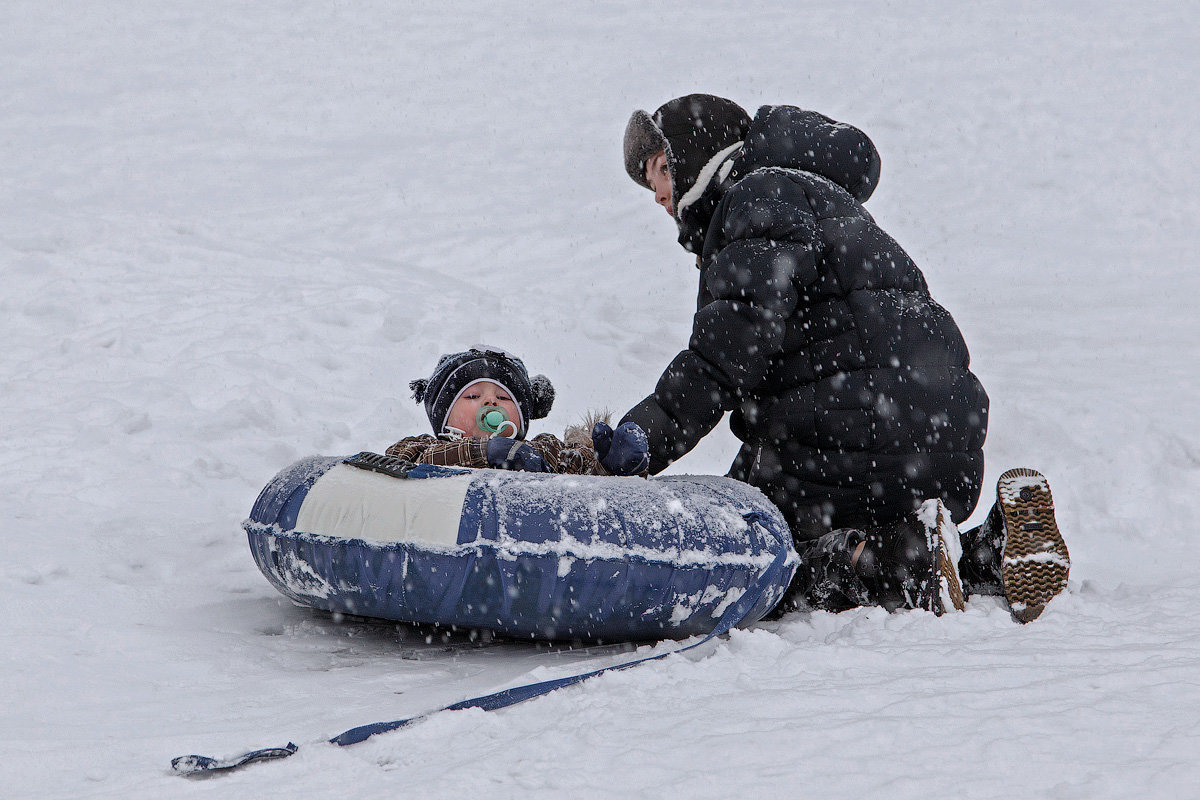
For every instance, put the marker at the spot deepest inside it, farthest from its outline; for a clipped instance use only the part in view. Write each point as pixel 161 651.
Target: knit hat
pixel 456 371
pixel 692 130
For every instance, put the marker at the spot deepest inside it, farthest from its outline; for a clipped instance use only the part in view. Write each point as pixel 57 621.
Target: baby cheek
pixel 463 413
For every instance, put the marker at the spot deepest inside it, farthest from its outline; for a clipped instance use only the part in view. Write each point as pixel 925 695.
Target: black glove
pixel 505 453
pixel 625 451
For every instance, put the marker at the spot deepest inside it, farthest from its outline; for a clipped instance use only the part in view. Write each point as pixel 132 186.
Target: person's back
pixel 889 412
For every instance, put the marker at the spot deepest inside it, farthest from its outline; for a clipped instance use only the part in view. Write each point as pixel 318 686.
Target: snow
pixel 1038 558
pixel 232 233
pixel 928 514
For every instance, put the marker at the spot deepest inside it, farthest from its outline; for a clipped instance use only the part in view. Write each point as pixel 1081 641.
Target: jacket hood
pixel 788 137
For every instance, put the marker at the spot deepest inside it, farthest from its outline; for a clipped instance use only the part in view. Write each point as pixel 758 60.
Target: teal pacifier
pixel 493 419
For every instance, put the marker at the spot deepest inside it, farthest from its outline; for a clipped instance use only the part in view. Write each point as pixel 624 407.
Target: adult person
pixel 849 386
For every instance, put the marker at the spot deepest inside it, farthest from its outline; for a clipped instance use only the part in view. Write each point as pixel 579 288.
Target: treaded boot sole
pixel 1035 561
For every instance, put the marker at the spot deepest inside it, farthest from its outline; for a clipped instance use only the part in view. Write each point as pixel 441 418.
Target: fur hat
pixel 456 371
pixel 692 129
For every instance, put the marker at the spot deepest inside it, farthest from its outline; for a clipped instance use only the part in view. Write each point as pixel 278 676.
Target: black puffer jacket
pixel 848 384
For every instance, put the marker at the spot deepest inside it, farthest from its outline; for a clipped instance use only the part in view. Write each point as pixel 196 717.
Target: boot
pixel 914 563
pixel 826 579
pixel 909 564
pixel 1018 551
pixel 982 549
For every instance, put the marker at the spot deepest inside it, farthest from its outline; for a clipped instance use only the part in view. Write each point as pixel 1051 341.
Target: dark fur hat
pixel 456 371
pixel 642 140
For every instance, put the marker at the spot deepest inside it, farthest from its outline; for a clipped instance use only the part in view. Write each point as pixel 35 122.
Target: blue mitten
pixel 505 453
pixel 625 451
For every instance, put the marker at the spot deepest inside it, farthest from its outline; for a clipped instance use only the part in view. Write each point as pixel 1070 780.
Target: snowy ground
pixel 232 233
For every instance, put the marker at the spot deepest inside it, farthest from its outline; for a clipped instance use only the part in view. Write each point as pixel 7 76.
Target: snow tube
pixel 522 554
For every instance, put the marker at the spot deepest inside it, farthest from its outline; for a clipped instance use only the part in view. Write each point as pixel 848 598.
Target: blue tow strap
pixel 197 766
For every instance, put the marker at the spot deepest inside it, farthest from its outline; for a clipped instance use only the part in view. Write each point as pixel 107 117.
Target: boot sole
pixel 949 551
pixel 942 536
pixel 1035 561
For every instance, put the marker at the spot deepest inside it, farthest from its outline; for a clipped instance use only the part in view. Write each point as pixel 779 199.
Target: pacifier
pixel 493 419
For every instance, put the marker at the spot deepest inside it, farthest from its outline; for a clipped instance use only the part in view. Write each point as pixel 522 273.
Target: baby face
pixel 464 413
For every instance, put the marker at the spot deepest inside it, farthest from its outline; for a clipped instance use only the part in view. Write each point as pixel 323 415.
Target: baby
pixel 480 402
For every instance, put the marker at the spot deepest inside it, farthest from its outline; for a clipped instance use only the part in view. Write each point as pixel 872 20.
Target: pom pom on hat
pixel 542 397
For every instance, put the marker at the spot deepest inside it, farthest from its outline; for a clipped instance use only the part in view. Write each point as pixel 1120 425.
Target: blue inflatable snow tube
pixel 521 554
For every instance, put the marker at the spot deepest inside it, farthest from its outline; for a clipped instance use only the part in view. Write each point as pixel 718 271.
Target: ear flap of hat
pixel 419 386
pixel 543 397
pixel 642 140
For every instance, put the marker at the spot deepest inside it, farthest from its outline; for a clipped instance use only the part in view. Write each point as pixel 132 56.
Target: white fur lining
pixel 706 175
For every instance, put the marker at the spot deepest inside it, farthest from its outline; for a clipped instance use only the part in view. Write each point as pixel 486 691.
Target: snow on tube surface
pixel 518 553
